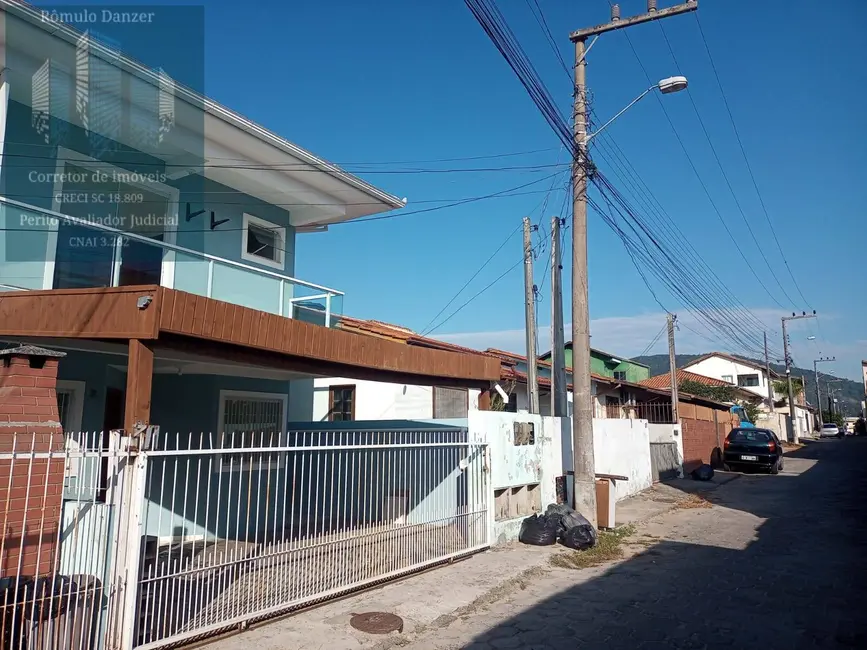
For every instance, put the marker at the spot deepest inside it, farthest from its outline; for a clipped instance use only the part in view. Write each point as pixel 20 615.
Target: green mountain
pixel 848 392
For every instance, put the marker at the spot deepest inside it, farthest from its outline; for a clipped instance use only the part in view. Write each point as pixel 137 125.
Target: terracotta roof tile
pixel 664 380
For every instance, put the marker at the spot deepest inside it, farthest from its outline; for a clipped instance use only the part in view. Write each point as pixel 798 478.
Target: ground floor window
pixel 450 402
pixel 341 403
pixel 248 420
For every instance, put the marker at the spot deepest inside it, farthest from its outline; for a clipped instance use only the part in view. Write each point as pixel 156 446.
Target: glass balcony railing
pixel 41 249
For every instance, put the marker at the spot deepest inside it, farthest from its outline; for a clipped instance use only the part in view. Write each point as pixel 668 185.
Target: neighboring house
pixel 338 398
pixel 343 399
pixel 743 373
pixel 663 381
pixel 605 364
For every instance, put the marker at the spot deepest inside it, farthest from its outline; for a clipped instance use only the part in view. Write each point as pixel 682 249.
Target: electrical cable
pixel 746 159
pixel 725 175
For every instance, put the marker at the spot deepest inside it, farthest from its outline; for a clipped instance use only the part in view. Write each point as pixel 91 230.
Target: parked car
pixel 829 430
pixel 753 447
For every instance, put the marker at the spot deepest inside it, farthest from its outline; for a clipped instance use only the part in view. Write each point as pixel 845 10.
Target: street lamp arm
pixel 622 111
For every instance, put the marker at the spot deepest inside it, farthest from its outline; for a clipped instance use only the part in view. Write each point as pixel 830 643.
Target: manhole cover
pixel 377 622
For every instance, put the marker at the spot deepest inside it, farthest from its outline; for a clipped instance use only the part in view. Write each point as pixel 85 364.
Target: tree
pixel 716 393
pixel 497 403
pixel 751 409
pixel 782 387
pixel 836 418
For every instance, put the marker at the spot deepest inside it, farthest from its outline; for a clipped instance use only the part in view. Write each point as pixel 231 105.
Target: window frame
pixel 281 435
pixel 465 391
pixel 279 249
pixel 758 379
pixel 331 390
pixel 170 231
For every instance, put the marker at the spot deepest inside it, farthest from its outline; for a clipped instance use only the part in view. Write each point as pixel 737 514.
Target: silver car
pixel 829 430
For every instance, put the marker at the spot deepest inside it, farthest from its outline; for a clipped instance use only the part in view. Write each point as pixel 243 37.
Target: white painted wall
pixel 623 447
pixel 668 433
pixel 720 368
pixel 513 465
pixel 376 400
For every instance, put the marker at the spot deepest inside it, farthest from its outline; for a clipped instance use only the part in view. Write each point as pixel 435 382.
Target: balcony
pixel 41 249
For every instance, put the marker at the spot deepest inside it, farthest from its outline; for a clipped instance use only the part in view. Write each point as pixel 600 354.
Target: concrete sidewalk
pixel 437 597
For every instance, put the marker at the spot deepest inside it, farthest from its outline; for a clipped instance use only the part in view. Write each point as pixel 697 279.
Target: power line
pixel 747 161
pixel 290 167
pixel 473 277
pixel 509 154
pixel 711 282
pixel 725 175
pixel 698 176
pixel 543 24
pixel 654 340
pixel 477 294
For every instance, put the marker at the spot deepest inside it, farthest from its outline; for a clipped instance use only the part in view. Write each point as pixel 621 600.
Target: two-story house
pixel 151 233
pixel 750 376
pixel 605 364
pixel 147 257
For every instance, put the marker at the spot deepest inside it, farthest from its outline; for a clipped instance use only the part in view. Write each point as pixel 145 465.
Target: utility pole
pixel 768 370
pixel 583 462
pixel 559 401
pixel 816 363
pixel 792 419
pixel 530 313
pixel 672 369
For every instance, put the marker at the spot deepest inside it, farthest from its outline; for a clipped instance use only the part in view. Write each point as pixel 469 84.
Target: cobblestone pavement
pixel 777 562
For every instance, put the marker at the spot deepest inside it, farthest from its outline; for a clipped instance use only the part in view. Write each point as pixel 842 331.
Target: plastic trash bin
pixel 12 622
pixel 50 612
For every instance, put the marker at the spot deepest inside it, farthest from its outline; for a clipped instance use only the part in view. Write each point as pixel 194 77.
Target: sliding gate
pixel 191 535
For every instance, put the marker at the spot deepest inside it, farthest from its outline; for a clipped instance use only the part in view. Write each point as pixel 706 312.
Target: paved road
pixel 778 562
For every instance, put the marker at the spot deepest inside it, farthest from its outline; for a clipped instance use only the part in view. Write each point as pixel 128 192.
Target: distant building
pixel 609 365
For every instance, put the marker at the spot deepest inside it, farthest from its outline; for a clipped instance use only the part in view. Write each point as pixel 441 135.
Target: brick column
pixel 30 506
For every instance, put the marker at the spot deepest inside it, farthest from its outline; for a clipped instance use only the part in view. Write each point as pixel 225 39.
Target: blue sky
pixel 363 83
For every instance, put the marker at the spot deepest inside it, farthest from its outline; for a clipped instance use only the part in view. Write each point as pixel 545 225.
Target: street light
pixel 666 87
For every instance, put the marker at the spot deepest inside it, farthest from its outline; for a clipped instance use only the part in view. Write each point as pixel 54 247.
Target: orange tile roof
pixel 664 380
pixel 400 333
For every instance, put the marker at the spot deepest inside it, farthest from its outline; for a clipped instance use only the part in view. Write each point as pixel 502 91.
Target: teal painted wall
pixel 601 364
pixel 181 491
pixel 28 176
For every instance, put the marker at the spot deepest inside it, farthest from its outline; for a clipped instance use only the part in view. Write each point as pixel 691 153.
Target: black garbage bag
pixel 580 537
pixel 540 530
pixel 703 473
pixel 569 518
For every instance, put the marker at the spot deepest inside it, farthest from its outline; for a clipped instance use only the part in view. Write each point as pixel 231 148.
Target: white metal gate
pixel 209 532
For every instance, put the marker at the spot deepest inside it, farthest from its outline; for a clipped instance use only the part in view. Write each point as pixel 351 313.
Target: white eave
pixel 353 196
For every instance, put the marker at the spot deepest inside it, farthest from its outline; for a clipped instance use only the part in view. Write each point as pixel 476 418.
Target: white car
pixel 829 430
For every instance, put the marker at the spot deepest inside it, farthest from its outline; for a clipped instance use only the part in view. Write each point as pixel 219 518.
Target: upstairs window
pixel 263 242
pixel 746 381
pixel 620 375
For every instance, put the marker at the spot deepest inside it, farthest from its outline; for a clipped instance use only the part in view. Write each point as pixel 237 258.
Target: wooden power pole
pixel 530 313
pixel 672 368
pixel 559 401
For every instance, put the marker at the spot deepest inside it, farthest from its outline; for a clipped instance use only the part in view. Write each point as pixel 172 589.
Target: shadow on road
pixel 799 584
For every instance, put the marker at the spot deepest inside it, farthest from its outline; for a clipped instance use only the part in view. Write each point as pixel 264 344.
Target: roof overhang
pixel 226 146
pixel 191 324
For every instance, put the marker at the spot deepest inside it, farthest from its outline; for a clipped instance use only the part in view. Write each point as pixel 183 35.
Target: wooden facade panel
pixel 248 327
pixel 105 313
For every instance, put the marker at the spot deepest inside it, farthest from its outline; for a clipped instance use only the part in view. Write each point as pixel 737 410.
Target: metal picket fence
pixel 155 541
